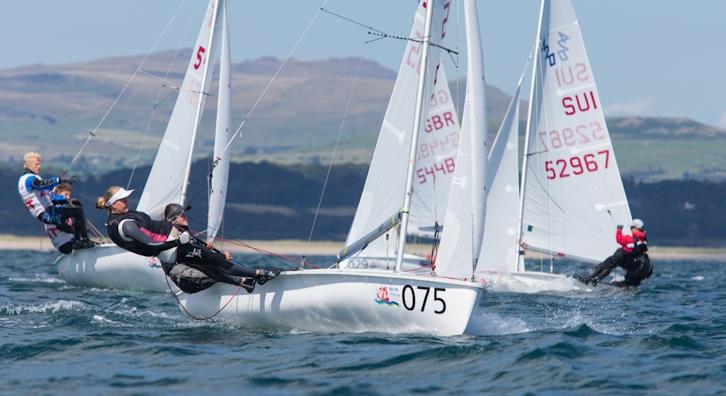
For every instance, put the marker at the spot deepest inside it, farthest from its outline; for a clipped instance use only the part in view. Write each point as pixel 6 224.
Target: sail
pixel 169 175
pixel 222 134
pixel 499 247
pixel 436 160
pixel 573 194
pixel 382 195
pixel 463 231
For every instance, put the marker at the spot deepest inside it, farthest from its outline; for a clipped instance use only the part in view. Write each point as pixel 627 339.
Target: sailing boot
pixel 266 275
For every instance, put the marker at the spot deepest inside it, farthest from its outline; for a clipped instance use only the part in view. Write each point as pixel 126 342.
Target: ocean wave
pixel 51 307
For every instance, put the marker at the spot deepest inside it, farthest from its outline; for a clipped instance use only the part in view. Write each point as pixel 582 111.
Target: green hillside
pixel 52 108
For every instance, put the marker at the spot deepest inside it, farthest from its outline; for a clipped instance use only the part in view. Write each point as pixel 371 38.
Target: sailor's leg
pixel 603 269
pixel 79 220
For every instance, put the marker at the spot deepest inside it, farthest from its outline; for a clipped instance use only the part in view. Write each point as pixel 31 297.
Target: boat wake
pixel 485 324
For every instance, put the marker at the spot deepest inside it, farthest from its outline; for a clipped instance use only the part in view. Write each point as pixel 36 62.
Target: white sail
pixel 499 247
pixel 436 160
pixel 382 195
pixel 573 194
pixel 169 175
pixel 222 134
pixel 464 226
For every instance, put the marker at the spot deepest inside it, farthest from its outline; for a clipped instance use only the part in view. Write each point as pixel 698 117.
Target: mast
pixel 408 192
pixel 528 131
pixel 222 134
pixel 200 103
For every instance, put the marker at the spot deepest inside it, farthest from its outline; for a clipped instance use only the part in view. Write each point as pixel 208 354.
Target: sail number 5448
pixel 411 302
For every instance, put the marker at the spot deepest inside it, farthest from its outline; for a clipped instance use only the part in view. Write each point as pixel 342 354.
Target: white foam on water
pixel 482 324
pixel 52 307
pixel 103 320
pixel 698 278
pixel 39 279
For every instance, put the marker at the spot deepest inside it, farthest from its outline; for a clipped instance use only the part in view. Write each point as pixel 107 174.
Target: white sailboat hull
pixel 109 266
pixel 530 282
pixel 344 300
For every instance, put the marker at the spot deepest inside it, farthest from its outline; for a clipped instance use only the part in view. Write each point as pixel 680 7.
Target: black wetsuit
pixel 212 262
pixel 140 242
pixel 636 264
pixel 62 210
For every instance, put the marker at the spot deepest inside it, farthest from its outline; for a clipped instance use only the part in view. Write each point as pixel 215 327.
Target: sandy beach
pixel 331 248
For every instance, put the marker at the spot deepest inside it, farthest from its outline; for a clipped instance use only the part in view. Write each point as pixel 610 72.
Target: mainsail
pixel 463 231
pixel 573 196
pixel 222 134
pixel 382 195
pixel 169 175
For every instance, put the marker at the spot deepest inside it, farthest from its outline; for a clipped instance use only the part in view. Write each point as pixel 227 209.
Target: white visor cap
pixel 119 195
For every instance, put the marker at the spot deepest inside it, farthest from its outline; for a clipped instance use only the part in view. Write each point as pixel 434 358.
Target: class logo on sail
pixel 383 297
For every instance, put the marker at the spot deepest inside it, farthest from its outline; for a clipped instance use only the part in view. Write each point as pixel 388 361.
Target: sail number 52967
pixel 410 301
pixel 575 166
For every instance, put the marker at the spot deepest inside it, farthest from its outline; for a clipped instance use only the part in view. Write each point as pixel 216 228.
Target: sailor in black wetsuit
pixel 203 257
pixel 136 231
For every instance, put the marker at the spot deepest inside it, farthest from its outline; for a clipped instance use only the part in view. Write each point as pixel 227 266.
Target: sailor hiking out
pixel 36 193
pixel 631 256
pixel 185 263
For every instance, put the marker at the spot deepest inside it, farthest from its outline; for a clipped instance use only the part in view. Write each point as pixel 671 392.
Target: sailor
pixel 631 256
pixel 35 193
pixel 63 240
pixel 136 231
pixel 201 256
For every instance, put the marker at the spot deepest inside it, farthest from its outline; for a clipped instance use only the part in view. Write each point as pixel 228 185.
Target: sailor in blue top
pixel 36 195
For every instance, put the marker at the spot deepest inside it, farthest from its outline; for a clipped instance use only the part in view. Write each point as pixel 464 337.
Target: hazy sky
pixel 650 57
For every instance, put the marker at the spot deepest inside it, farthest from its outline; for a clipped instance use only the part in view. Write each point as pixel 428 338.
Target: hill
pixel 52 108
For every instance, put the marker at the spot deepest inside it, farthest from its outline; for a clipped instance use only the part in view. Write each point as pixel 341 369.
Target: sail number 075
pixel 409 298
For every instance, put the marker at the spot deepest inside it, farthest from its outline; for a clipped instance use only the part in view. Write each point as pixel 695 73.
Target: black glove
pixel 69 180
pixel 620 226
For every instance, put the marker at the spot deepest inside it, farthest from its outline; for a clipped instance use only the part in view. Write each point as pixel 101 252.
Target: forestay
pixel 223 133
pixel 573 194
pixel 382 195
pixel 463 230
pixel 169 175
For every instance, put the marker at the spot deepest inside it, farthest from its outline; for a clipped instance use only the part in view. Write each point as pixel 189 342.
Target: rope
pixel 92 133
pixel 201 318
pixel 335 149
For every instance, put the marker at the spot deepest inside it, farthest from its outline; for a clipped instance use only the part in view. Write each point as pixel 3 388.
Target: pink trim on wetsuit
pixel 154 236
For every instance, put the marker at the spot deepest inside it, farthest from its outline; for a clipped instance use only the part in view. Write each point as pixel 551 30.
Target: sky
pixel 649 57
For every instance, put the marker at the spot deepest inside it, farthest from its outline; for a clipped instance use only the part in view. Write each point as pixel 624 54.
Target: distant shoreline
pixel 331 248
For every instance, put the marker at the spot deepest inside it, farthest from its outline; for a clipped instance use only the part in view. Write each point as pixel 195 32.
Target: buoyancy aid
pixel 36 200
pixel 143 221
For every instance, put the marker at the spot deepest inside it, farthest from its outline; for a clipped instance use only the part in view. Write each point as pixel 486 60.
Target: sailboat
pixel 110 266
pixel 345 298
pixel 571 196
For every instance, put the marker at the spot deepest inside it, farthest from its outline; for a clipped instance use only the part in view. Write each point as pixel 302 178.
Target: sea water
pixel 667 337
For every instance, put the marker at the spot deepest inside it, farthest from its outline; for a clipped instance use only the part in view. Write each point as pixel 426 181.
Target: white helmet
pixel 637 223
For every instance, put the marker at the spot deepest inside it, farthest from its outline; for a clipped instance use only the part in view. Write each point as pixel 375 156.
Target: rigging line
pixel 415 40
pixel 382 34
pixel 92 133
pixel 351 20
pixel 335 149
pixel 202 318
pixel 272 80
